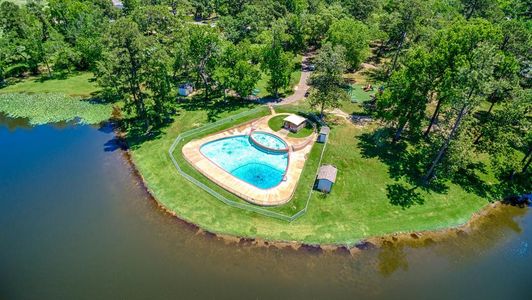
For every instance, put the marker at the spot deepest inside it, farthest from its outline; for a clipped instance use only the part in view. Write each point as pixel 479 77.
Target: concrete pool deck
pixel 299 148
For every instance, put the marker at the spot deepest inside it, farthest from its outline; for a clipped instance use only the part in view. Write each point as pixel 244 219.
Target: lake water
pixel 76 224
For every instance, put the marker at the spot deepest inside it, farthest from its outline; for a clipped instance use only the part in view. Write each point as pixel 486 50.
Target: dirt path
pixel 299 90
pixel 302 87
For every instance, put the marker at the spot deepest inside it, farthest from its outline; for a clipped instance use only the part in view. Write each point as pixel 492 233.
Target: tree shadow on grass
pixel 469 180
pixel 403 196
pixel 404 164
pixel 408 164
pixel 214 107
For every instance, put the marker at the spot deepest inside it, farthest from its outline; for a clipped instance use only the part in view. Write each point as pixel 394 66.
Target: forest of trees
pixel 455 74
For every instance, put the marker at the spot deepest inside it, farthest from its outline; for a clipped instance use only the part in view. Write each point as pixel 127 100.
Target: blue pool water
pixel 247 162
pixel 269 140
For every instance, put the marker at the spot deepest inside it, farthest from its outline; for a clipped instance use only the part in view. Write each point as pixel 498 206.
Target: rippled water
pixel 269 140
pixel 76 224
pixel 237 156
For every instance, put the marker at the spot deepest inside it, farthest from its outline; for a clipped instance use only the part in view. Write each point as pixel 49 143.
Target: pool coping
pixel 278 195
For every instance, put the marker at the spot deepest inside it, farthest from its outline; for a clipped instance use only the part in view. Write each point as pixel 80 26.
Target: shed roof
pixel 327 172
pixel 295 119
pixel 325 130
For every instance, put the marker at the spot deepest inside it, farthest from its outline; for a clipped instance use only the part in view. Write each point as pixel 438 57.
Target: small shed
pixel 185 89
pixel 324 133
pixel 326 178
pixel 294 123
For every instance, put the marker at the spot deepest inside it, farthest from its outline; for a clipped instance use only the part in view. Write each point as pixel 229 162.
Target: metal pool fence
pixel 242 205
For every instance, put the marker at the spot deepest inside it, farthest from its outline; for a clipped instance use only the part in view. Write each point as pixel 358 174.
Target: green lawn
pixel 81 85
pixel 357 93
pixel 276 123
pixel 357 208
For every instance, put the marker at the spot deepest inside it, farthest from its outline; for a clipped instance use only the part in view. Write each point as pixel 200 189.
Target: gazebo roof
pixel 328 172
pixel 295 119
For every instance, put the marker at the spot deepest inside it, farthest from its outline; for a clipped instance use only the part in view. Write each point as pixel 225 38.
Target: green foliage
pixel 327 81
pixel 354 37
pixel 235 71
pixel 53 108
pixel 276 62
pixel 406 96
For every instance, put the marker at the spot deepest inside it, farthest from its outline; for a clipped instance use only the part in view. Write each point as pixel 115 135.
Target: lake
pixel 75 223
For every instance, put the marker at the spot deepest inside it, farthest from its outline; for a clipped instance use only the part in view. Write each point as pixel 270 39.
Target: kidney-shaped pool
pixel 242 158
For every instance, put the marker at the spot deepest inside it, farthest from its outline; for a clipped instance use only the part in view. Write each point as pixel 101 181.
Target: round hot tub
pixel 268 141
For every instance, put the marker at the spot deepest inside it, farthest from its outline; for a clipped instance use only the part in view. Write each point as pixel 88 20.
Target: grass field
pixel 358 206
pixel 81 85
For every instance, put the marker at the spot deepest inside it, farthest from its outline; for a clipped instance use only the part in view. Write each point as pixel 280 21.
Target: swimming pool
pixel 242 158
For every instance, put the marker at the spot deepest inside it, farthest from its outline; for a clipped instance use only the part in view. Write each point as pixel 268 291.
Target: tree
pixel 276 62
pixel 480 8
pixel 316 23
pixel 354 37
pixel 506 79
pixel 202 8
pixel 122 72
pixel 203 54
pixel 81 23
pixel 327 82
pixel 130 6
pixel 402 19
pixel 361 9
pixel 449 46
pixel 506 133
pixel 405 99
pixel 41 33
pixel 472 79
pixel 234 70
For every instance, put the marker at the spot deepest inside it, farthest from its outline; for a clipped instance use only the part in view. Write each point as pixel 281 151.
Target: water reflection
pixel 392 257
pixel 13 123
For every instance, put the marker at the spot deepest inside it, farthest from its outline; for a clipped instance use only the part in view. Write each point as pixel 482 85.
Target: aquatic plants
pixel 52 108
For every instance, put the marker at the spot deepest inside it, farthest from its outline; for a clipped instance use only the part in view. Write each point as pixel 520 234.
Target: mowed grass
pixel 276 123
pixel 77 85
pixel 357 208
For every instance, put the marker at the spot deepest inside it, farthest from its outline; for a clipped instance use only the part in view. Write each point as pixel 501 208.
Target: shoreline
pixel 421 236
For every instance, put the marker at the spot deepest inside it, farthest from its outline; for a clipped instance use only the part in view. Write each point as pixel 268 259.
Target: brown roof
pixel 327 172
pixel 325 130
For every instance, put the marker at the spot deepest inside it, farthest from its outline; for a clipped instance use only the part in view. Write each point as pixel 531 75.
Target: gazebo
pixel 294 123
pixel 326 178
